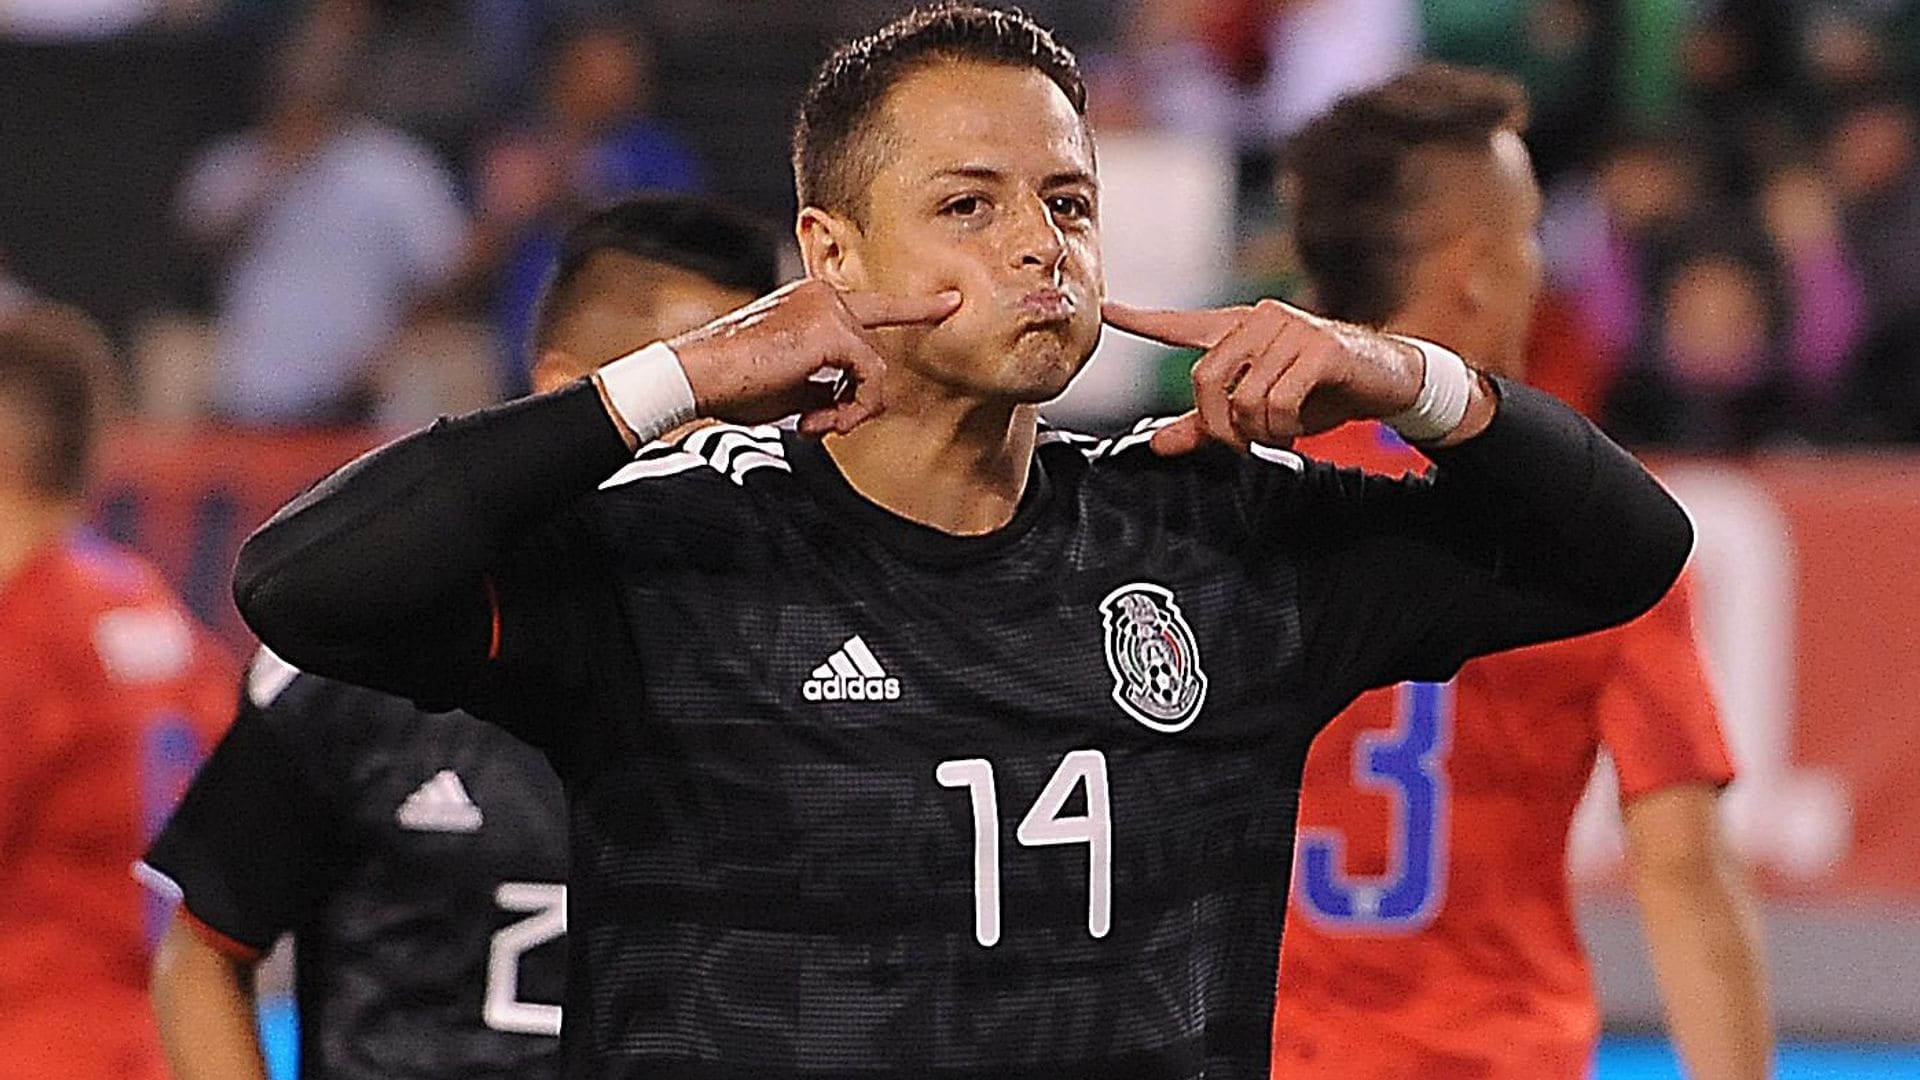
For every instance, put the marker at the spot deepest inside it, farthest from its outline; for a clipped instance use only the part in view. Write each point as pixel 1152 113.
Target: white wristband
pixel 649 390
pixel 1444 392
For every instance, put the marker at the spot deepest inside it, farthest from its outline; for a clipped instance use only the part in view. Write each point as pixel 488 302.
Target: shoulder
pixel 124 613
pixel 1133 450
pixel 703 455
pixel 301 708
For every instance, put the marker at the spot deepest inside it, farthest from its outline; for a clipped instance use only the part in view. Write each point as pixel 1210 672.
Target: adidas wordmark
pixel 851 674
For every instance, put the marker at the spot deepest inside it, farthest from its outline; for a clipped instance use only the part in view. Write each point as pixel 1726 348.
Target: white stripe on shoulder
pixel 1140 434
pixel 728 449
pixel 1273 455
pixel 267 677
pixel 157 882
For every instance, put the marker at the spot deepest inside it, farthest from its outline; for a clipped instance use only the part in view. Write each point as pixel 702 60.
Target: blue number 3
pixel 1408 765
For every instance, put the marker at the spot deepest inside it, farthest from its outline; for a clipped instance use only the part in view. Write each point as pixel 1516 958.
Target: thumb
pixel 1183 436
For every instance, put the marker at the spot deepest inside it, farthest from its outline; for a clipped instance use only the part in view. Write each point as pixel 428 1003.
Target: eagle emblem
pixel 1153 656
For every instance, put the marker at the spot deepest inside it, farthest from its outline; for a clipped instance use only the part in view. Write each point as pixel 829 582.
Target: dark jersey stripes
pixel 1033 860
pixel 417 859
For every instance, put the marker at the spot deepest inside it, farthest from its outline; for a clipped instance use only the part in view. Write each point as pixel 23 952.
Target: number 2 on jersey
pixel 502 1009
pixel 1408 764
pixel 1042 826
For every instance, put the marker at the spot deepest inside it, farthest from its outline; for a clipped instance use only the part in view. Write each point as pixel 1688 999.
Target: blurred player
pixel 939 747
pixel 109 698
pixel 418 859
pixel 1430 933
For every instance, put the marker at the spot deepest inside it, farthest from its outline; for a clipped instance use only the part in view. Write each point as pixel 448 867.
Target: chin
pixel 1042 364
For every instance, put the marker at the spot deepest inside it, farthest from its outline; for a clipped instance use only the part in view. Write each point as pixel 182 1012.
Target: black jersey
pixel 851 797
pixel 419 861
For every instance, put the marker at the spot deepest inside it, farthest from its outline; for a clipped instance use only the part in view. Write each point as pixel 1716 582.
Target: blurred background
pixel 311 223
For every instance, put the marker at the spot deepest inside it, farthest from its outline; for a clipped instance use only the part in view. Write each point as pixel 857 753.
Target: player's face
pixel 1512 253
pixel 623 302
pixel 987 188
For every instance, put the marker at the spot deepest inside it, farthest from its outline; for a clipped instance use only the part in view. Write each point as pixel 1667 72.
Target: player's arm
pixel 204 1001
pixel 1657 719
pixel 1702 933
pixel 381 575
pixel 249 852
pixel 1534 525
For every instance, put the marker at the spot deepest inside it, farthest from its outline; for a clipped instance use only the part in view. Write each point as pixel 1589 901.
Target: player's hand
pixel 800 349
pixel 1272 372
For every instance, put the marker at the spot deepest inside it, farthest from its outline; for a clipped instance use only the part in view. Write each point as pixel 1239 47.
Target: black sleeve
pixel 249 843
pixel 1538 528
pixel 393 572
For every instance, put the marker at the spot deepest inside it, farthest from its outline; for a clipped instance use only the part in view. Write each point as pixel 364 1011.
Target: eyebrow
pixel 989 173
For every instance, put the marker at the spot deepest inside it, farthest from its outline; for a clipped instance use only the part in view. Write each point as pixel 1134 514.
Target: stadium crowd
pixel 1732 231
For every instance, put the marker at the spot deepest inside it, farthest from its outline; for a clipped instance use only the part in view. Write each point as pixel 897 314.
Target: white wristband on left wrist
pixel 1445 390
pixel 649 390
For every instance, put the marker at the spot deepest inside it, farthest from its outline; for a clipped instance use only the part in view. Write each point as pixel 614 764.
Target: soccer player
pixel 418 859
pixel 109 698
pixel 1430 932
pixel 919 741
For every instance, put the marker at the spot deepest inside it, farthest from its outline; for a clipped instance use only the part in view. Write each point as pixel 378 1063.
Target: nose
pixel 1039 241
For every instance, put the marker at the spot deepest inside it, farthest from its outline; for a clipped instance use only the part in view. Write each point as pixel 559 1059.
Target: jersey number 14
pixel 1043 825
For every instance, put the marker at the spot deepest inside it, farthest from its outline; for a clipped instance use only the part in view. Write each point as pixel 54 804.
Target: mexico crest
pixel 1153 656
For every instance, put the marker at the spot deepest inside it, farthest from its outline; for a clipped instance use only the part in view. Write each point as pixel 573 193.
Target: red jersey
pixel 109 698
pixel 1430 933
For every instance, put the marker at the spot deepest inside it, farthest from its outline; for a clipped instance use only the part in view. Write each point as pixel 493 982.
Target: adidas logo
pixel 851 674
pixel 440 805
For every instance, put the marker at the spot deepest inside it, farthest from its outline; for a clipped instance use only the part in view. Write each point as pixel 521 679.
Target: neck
pixel 28 521
pixel 953 463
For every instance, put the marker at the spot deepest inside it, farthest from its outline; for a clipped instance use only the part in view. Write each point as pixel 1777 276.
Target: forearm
pixel 1705 959
pixel 396 543
pixel 1702 934
pixel 1583 529
pixel 204 1003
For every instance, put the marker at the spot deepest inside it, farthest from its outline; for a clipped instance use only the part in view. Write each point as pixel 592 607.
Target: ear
pixel 553 369
pixel 830 248
pixel 1464 268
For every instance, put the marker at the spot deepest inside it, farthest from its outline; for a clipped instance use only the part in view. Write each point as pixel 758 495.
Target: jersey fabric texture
pixel 1430 931
pixel 110 696
pixel 418 859
pixel 1058 850
pixel 852 797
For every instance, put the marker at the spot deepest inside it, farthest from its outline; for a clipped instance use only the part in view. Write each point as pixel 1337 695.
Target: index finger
pixel 874 310
pixel 1200 329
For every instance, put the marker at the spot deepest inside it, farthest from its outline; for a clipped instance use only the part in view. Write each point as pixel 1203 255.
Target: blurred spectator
pixel 333 226
pixel 109 697
pixel 1566 53
pixel 1829 302
pixel 1253 70
pixel 1871 155
pixel 1600 234
pixel 592 140
pixel 1709 374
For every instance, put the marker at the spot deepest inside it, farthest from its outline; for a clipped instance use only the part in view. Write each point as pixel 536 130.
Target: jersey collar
pixel 815 469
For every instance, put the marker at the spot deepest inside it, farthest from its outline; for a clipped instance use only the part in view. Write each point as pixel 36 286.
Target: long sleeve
pixel 1539 528
pixel 382 573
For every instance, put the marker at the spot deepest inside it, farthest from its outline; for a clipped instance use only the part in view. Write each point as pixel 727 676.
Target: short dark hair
pixel 1352 186
pixel 829 169
pixel 57 364
pixel 728 247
